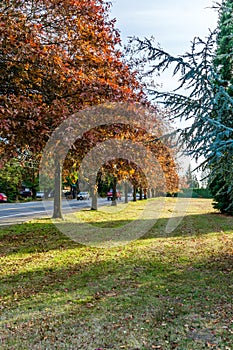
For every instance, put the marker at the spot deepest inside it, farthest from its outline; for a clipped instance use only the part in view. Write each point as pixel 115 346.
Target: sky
pixel 173 23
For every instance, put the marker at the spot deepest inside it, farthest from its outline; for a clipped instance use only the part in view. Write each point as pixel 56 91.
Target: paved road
pixel 12 213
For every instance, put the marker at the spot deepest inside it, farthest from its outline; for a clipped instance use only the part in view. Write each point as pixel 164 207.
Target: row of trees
pixel 117 143
pixel 57 58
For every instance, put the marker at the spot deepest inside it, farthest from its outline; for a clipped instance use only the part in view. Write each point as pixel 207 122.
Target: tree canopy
pixel 56 57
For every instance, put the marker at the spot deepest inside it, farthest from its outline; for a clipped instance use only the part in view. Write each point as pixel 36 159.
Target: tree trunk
pixel 134 193
pixel 148 193
pixel 34 185
pixel 126 191
pixel 73 191
pixel 57 209
pixel 140 193
pixel 94 197
pixel 144 193
pixel 18 189
pixel 114 195
pixel 153 193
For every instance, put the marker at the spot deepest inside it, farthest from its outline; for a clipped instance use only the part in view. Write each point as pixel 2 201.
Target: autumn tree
pixel 126 149
pixel 123 170
pixel 56 57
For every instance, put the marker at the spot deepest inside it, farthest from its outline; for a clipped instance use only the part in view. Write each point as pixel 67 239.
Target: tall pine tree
pixel 221 175
pixel 206 75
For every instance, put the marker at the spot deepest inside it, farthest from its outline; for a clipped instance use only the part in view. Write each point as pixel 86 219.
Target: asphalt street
pixel 13 213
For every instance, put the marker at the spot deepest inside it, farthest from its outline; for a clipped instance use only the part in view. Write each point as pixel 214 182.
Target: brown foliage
pixel 56 57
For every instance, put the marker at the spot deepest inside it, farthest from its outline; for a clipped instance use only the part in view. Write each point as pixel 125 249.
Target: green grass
pixel 162 291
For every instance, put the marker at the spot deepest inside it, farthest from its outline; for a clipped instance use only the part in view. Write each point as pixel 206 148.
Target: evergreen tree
pixel 191 178
pixel 220 182
pixel 206 75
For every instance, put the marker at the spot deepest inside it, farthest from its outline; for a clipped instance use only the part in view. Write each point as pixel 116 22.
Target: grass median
pixel 160 291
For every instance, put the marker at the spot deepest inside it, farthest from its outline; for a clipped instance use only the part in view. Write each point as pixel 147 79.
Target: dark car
pixel 68 195
pixel 3 197
pixel 25 193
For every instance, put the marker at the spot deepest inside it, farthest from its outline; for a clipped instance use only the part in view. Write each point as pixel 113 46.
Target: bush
pixel 195 193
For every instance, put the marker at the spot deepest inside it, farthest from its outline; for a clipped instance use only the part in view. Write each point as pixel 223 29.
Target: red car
pixel 109 195
pixel 3 197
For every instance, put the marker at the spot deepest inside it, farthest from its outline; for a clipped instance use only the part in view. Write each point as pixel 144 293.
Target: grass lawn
pixel 161 291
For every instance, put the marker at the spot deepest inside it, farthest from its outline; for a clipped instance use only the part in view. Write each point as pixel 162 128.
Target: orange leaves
pixel 57 56
pixel 12 39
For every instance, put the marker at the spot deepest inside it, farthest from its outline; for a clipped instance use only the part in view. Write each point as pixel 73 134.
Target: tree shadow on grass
pixel 32 237
pixel 124 290
pixel 121 272
pixel 41 237
pixel 160 288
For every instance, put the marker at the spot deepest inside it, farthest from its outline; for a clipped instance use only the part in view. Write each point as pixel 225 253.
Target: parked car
pixel 68 195
pixel 109 195
pixel 3 197
pixel 40 194
pixel 26 193
pixel 83 195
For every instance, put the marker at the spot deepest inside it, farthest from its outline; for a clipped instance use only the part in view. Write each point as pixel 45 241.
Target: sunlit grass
pixel 110 215
pixel 162 291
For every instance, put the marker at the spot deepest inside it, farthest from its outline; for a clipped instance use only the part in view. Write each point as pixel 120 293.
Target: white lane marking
pixel 32 205
pixel 32 213
pixel 38 212
pixel 17 208
pixel 23 214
